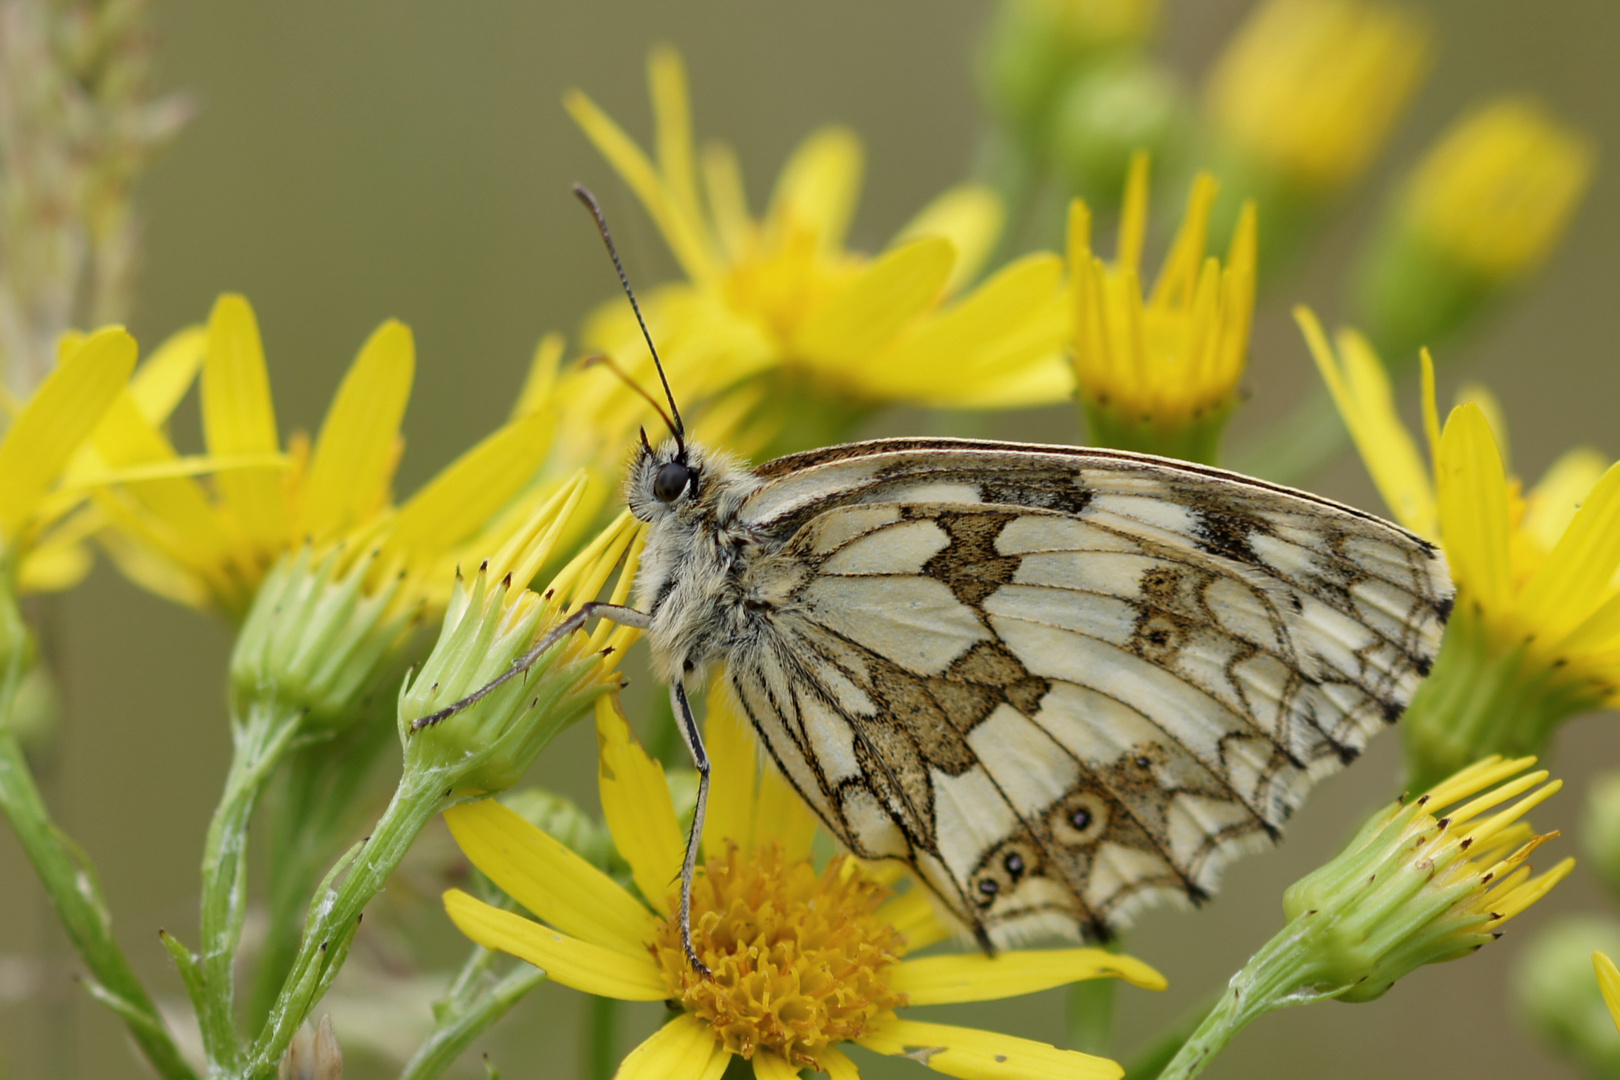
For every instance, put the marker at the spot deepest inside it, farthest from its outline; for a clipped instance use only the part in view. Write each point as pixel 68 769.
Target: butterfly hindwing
pixel 1062 683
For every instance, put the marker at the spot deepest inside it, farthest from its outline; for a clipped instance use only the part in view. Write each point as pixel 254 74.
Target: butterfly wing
pixel 1062 683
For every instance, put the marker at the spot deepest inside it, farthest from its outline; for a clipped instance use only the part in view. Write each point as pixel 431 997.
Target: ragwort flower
pixel 1159 374
pixel 1481 211
pixel 782 294
pixel 802 959
pixel 1535 637
pixel 210 545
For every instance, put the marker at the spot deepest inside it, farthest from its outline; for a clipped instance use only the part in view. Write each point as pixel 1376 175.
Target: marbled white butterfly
pixel 1058 682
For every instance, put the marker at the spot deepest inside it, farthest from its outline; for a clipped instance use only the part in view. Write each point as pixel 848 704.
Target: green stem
pixel 600 1056
pixel 311 811
pixel 469 1009
pixel 334 914
pixel 260 741
pixel 68 878
pixel 1276 977
pixel 1148 1064
pixel 1091 1013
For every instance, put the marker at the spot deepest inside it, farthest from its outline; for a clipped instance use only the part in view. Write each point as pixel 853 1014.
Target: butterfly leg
pixel 700 758
pixel 625 616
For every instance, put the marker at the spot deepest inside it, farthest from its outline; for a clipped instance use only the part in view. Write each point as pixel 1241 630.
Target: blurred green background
pixel 356 161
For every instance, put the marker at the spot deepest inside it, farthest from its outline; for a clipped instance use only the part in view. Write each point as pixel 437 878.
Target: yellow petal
pixel 817 188
pixel 983 1055
pixel 64 410
pixel 153 570
pixel 178 507
pixel 1362 394
pixel 874 308
pixel 455 504
pixel 1550 506
pixel 749 799
pixel 164 377
pixel 941 980
pixel 912 914
pixel 768 1066
pixel 239 418
pixel 968 342
pixel 1473 508
pixel 728 203
pixel 836 1064
pixel 358 446
pixel 1609 983
pixel 734 772
pixel 53 566
pixel 636 804
pixel 970 217
pixel 682 1049
pixel 567 960
pixel 1576 576
pixel 672 113
pixel 783 814
pixel 542 378
pixel 543 875
pixel 685 237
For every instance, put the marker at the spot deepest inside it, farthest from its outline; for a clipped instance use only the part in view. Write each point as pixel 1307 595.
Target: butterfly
pixel 1057 682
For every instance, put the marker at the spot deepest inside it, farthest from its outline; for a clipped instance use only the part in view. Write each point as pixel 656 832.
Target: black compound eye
pixel 671 480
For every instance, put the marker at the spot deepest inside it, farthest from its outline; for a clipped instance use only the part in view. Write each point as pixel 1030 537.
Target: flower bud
pixel 488 744
pixel 1557 996
pixel 1481 211
pixel 1034 45
pixel 319 633
pixel 1103 115
pixel 1600 828
pixel 1414 889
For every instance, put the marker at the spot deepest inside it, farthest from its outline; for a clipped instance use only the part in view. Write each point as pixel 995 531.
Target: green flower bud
pixel 1410 889
pixel 1033 45
pixel 1557 996
pixel 1600 830
pixel 318 635
pixel 488 745
pixel 1104 115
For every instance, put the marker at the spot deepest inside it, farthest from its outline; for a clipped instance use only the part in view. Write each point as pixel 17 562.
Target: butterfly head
pixel 665 480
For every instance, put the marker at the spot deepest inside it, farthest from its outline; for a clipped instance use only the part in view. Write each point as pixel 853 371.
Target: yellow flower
pixel 1308 89
pixel 210 545
pixel 1498 189
pixel 1160 374
pixel 801 959
pixel 1536 634
pixel 1481 210
pixel 782 293
pixel 38 548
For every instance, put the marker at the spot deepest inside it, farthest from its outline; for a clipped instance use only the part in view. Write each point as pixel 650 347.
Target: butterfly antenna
pixel 676 426
pixel 607 361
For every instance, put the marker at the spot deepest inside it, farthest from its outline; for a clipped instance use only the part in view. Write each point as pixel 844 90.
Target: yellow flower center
pixel 799 959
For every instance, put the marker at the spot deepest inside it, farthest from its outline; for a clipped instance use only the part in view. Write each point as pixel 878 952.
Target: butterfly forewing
pixel 1063 682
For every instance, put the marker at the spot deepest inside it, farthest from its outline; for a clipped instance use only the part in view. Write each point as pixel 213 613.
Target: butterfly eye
pixel 671 480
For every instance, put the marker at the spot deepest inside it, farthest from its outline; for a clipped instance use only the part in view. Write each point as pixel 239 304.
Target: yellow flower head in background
pixel 1309 89
pixel 782 292
pixel 40 547
pixel 802 959
pixel 1538 598
pixel 210 544
pixel 1160 374
pixel 1498 189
